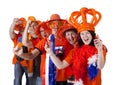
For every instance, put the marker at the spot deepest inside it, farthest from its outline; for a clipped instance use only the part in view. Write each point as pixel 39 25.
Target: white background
pixel 107 29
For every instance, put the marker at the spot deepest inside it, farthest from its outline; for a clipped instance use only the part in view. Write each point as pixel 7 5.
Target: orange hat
pixel 64 28
pixel 82 16
pixel 45 27
pixel 55 17
pixel 32 18
pixel 18 27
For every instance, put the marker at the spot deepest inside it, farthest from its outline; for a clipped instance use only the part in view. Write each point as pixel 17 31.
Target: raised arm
pixel 100 60
pixel 59 64
pixel 27 56
pixel 25 40
pixel 12 28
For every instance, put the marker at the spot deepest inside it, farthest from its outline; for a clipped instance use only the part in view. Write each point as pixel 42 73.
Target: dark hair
pixel 80 42
pixel 71 29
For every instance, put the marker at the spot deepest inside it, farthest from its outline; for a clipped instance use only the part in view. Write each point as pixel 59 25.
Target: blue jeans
pixel 38 81
pixel 19 70
pixel 35 80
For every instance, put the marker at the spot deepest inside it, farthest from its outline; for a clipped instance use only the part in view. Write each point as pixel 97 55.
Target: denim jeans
pixel 35 80
pixel 38 81
pixel 19 70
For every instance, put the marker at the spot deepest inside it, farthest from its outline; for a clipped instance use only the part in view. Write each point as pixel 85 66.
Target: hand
pixel 98 43
pixel 28 23
pixel 48 46
pixel 20 52
pixel 15 20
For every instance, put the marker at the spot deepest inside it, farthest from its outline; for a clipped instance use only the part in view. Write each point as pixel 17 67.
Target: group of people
pixel 58 51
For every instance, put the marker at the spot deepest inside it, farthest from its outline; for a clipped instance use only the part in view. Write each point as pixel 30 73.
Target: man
pixel 20 65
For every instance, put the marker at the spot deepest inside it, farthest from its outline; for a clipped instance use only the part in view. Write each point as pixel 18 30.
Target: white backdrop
pixel 42 9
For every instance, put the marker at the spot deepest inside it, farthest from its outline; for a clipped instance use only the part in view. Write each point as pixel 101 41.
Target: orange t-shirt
pixel 40 45
pixel 61 74
pixel 30 62
pixel 15 41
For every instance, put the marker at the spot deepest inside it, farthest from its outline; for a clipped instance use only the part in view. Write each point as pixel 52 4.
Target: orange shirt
pixel 61 74
pixel 30 62
pixel 15 41
pixel 40 45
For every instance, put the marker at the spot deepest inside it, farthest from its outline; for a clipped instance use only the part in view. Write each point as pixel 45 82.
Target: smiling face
pixel 43 32
pixel 86 37
pixel 71 37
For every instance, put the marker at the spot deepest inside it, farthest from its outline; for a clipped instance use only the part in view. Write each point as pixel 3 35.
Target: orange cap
pixel 18 27
pixel 64 28
pixel 54 17
pixel 82 16
pixel 32 18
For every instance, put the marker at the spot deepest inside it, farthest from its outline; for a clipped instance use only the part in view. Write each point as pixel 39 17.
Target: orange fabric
pixel 96 81
pixel 30 66
pixel 24 62
pixel 70 55
pixel 61 74
pixel 30 62
pixel 40 45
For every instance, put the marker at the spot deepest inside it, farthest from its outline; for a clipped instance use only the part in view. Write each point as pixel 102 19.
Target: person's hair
pixel 80 42
pixel 71 29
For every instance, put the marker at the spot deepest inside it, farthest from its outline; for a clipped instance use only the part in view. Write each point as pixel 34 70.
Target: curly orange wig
pixel 44 26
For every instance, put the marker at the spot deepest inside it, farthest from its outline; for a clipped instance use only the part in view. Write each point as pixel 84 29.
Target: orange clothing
pixel 87 81
pixel 40 45
pixel 15 41
pixel 61 74
pixel 30 62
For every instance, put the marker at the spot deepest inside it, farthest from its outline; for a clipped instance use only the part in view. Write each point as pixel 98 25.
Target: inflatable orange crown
pixel 79 19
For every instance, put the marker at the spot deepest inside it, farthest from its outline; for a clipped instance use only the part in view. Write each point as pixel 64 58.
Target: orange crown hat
pixel 79 19
pixel 23 24
pixel 32 18
pixel 44 26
